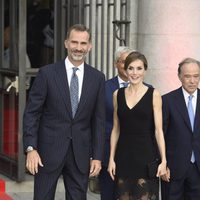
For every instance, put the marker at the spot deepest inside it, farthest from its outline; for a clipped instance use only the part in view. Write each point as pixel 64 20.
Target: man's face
pixel 120 66
pixel 77 45
pixel 190 77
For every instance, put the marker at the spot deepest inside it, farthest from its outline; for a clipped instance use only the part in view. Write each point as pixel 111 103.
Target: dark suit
pixel 60 139
pixel 106 183
pixel 180 141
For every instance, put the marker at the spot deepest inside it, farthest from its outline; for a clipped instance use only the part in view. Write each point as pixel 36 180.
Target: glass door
pixel 32 34
pixel 12 87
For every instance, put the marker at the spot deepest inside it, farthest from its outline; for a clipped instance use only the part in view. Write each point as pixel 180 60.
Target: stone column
pixel 132 13
pixel 168 31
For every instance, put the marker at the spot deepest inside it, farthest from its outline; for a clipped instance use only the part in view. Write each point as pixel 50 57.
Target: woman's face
pixel 135 72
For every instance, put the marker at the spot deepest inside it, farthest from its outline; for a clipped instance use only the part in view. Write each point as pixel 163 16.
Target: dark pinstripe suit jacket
pixel 48 123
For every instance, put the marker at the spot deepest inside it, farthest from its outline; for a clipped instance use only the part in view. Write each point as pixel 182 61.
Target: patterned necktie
pixel 74 91
pixel 125 84
pixel 191 116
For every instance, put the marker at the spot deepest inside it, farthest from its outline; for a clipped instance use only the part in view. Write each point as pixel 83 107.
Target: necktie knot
pixel 74 70
pixel 125 84
pixel 190 97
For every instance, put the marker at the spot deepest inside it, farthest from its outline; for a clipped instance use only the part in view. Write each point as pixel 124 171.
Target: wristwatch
pixel 29 148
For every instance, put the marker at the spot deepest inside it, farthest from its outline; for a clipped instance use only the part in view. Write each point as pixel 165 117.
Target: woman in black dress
pixel 136 130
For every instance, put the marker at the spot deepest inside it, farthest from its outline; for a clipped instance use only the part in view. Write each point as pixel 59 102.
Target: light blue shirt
pixel 120 81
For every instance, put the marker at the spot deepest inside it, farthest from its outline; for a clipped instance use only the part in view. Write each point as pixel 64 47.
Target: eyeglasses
pixel 121 61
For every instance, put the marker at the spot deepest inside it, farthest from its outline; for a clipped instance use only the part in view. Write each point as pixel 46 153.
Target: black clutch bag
pixel 152 168
pixel 94 185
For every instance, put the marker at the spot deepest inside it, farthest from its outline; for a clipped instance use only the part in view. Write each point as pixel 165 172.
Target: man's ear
pixel 66 44
pixel 90 47
pixel 125 73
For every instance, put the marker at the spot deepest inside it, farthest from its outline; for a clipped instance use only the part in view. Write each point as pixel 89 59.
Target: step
pixel 24 190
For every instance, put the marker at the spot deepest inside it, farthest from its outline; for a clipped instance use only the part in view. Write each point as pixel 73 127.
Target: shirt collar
pixel 120 80
pixel 69 65
pixel 186 94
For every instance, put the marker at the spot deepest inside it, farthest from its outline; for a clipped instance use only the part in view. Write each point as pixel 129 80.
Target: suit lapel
pixel 86 88
pixel 62 83
pixel 181 106
pixel 197 115
pixel 115 83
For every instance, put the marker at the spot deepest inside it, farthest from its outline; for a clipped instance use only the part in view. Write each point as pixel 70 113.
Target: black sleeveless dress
pixel 136 148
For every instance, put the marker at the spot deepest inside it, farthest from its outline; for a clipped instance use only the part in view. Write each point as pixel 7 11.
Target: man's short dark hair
pixel 78 27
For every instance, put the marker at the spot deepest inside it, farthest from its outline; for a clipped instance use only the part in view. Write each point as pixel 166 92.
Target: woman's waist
pixel 137 133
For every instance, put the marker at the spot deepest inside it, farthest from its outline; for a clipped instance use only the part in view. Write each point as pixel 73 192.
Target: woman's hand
pixel 162 169
pixel 166 177
pixel 111 169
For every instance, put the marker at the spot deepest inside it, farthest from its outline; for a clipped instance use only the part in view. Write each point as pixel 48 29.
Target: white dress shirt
pixel 194 99
pixel 79 72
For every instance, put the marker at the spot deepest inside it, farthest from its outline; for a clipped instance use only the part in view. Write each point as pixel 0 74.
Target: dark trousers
pixel 106 185
pixel 186 188
pixel 75 182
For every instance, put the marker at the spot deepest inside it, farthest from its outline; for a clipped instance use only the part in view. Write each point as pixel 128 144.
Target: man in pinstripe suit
pixel 58 143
